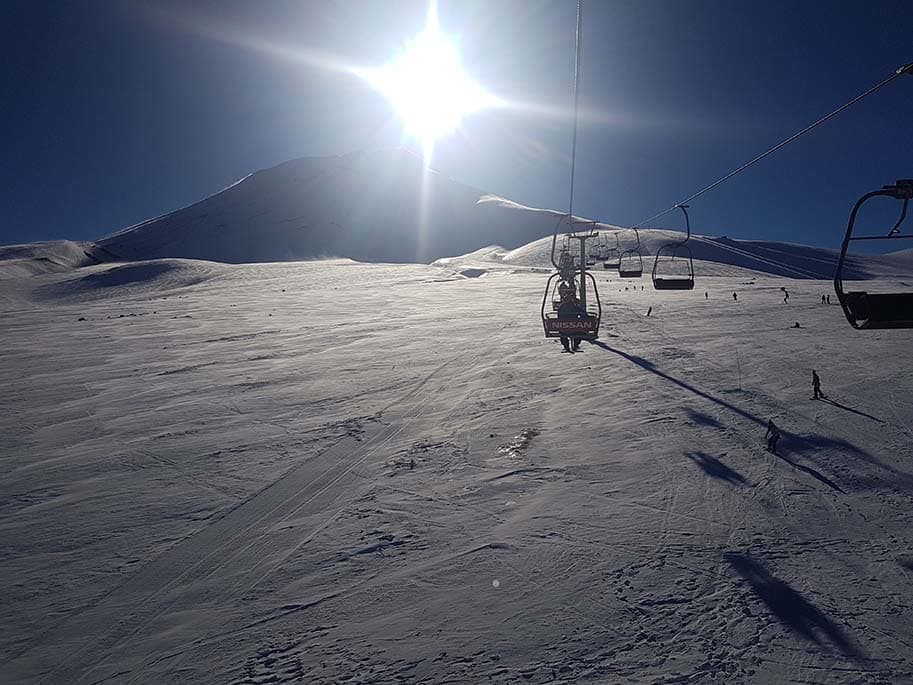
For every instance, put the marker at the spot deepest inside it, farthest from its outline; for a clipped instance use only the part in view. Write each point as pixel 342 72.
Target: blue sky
pixel 116 111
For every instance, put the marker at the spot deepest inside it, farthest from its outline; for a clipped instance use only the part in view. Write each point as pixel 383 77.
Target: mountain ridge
pixel 387 206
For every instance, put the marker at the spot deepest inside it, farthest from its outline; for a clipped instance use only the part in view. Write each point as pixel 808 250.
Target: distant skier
pixel 816 386
pixel 706 295
pixel 735 297
pixel 823 300
pixel 796 325
pixel 649 311
pixel 772 436
pixel 785 296
pixel 828 299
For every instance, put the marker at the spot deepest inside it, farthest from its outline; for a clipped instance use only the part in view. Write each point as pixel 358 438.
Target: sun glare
pixel 428 87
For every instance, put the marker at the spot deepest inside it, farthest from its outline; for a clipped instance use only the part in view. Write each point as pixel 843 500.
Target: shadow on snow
pixel 715 468
pixel 814 442
pixel 790 607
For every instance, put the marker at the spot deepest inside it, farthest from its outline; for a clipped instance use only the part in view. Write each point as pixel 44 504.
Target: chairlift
pixel 673 268
pixel 867 310
pixel 577 316
pixel 577 323
pixel 630 263
pixel 602 246
pixel 612 254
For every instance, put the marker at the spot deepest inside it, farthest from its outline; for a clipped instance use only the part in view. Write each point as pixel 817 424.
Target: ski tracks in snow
pixel 78 647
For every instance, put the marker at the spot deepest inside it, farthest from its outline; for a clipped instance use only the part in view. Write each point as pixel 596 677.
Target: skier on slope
pixel 772 436
pixel 816 386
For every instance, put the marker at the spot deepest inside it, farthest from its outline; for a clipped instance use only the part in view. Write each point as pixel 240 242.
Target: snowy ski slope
pixel 332 471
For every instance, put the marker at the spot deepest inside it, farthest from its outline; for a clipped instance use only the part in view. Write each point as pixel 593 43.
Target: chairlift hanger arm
pixel 895 229
pixel 902 190
pixel 875 310
pixel 684 209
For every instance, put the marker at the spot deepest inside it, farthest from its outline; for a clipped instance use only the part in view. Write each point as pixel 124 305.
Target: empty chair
pixel 630 262
pixel 673 267
pixel 612 254
pixel 866 310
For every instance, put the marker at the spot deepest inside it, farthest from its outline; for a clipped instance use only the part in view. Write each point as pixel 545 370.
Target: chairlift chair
pixel 867 310
pixel 602 247
pixel 630 263
pixel 612 254
pixel 665 277
pixel 583 325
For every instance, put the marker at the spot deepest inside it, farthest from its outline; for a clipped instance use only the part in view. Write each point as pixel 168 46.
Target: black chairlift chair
pixel 664 278
pixel 865 310
pixel 612 254
pixel 602 247
pixel 592 255
pixel 630 263
pixel 578 324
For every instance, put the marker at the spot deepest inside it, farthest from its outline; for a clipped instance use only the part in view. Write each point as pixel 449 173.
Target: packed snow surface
pixel 330 472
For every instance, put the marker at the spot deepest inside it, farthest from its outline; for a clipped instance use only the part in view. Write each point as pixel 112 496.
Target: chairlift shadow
pixel 714 468
pixel 791 608
pixel 651 367
pixel 837 404
pixel 814 473
pixel 701 418
pixel 811 442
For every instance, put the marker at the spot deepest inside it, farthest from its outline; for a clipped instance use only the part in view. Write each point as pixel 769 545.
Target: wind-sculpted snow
pixel 712 256
pixel 151 276
pixel 331 471
pixel 48 257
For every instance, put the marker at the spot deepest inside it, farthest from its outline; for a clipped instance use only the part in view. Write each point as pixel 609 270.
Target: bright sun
pixel 428 87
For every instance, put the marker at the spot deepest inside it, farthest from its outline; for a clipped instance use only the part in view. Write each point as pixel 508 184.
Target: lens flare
pixel 428 87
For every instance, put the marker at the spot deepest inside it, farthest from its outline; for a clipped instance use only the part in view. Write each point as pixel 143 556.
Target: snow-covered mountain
pixel 370 206
pixel 385 206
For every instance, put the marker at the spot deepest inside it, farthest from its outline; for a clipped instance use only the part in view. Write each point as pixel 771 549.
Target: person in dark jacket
pixel 772 436
pixel 569 308
pixel 816 386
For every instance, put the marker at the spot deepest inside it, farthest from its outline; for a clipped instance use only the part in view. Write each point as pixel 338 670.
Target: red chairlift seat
pixel 574 323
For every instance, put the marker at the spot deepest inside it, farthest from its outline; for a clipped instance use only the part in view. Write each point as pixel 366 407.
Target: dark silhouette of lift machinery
pixel 630 263
pixel 665 259
pixel 866 310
